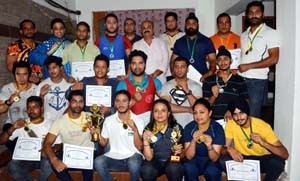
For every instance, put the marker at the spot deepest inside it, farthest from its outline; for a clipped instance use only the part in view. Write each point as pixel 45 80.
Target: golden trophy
pixel 175 138
pixel 96 120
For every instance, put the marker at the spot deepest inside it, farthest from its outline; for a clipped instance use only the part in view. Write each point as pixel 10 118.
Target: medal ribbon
pixel 189 48
pixel 248 138
pixel 82 50
pixel 251 40
pixel 225 83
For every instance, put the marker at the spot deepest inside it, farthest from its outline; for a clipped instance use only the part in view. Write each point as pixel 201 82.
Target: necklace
pixel 74 121
pixel 124 124
pixel 251 40
pixel 249 140
pixel 82 51
pixel 191 52
pixel 221 87
pixel 157 129
pixel 172 40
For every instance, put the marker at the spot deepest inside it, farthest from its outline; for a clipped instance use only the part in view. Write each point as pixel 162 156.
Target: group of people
pixel 160 121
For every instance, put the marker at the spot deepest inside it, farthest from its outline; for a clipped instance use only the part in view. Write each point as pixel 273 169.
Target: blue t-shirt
pixel 215 130
pixel 203 47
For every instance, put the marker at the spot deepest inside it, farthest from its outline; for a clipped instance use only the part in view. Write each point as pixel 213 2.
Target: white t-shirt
pixel 182 118
pixel 18 109
pixel 121 140
pixel 170 41
pixel 55 102
pixel 266 39
pixel 71 131
pixel 158 57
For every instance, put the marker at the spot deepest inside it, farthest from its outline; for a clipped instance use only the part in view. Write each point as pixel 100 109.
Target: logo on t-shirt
pixel 57 99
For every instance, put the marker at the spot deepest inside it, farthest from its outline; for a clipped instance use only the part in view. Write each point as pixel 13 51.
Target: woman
pixel 203 140
pixel 161 139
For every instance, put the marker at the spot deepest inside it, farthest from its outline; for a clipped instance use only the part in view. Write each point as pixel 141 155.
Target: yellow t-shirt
pixel 233 131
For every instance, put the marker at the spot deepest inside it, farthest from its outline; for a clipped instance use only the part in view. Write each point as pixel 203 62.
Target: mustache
pixel 146 31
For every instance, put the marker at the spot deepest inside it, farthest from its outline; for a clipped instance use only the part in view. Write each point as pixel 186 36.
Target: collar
pixel 143 85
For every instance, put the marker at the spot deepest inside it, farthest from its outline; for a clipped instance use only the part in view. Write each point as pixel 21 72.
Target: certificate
pixel 236 58
pixel 97 94
pixel 28 149
pixel 78 156
pixel 194 75
pixel 116 68
pixel 82 69
pixel 247 170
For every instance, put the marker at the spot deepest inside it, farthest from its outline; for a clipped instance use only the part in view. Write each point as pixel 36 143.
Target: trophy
pixel 175 138
pixel 96 121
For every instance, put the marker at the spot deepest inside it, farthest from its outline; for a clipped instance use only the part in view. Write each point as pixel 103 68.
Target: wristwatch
pixel 7 103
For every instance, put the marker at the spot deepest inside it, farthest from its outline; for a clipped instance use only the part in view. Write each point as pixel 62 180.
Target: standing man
pixel 53 90
pixel 19 50
pixel 81 50
pixel 260 50
pixel 195 47
pixel 122 131
pixel 141 86
pixel 156 51
pixel 181 92
pixel 70 128
pixel 171 35
pixel 253 139
pixel 130 31
pixel 225 37
pixel 223 87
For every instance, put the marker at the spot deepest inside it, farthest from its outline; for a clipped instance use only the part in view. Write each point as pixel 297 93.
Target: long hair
pixel 171 119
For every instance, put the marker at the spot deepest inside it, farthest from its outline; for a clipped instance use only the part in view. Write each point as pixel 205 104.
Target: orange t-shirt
pixel 231 42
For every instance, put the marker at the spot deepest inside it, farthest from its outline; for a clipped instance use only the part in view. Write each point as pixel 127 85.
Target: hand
pixel 137 96
pixel 244 67
pixel 236 156
pixel 257 139
pixel 58 165
pixel 44 90
pixel 215 90
pixel 197 135
pixel 184 86
pixel 177 149
pixel 131 124
pixel 12 97
pixel 77 85
pixel 208 140
pixel 147 135
pixel 71 80
pixel 19 123
pixel 227 116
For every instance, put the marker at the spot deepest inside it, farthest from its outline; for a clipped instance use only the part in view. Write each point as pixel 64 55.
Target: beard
pixel 255 21
pixel 191 31
pixel 171 29
pixel 138 73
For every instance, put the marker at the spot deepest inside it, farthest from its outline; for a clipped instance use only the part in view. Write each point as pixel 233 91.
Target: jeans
pixel 104 164
pixel 20 170
pixel 272 165
pixel 202 166
pixel 152 169
pixel 257 90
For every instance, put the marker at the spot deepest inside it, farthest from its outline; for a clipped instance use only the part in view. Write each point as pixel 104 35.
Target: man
pixel 113 45
pixel 223 87
pixel 195 47
pixel 101 69
pixel 156 51
pixel 13 96
pixel 130 31
pixel 225 37
pixel 260 50
pixel 253 139
pixel 20 169
pixel 181 92
pixel 122 131
pixel 141 86
pixel 171 35
pixel 53 46
pixel 80 50
pixel 19 50
pixel 70 128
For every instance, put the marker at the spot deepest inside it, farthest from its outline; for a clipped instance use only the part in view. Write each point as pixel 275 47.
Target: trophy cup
pixel 175 138
pixel 96 121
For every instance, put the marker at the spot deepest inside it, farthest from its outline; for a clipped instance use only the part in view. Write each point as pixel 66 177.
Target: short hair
pixel 148 21
pixel 84 24
pixel 223 15
pixel 36 99
pixel 21 64
pixel 102 57
pixel 53 59
pixel 131 19
pixel 138 53
pixel 74 93
pixel 57 20
pixel 171 13
pixel 203 102
pixel 110 15
pixel 26 21
pixel 255 3
pixel 124 92
pixel 177 59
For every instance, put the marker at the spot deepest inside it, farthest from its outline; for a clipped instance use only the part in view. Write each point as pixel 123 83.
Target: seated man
pixel 253 139
pixel 122 131
pixel 35 126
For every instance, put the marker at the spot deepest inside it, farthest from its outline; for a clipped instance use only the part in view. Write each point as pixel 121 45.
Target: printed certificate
pixel 97 94
pixel 78 156
pixel 194 75
pixel 236 58
pixel 82 69
pixel 248 170
pixel 116 68
pixel 28 149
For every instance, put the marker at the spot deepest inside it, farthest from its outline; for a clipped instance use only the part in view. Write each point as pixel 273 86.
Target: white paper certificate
pixel 78 156
pixel 82 69
pixel 236 58
pixel 116 68
pixel 28 149
pixel 97 94
pixel 194 75
pixel 248 170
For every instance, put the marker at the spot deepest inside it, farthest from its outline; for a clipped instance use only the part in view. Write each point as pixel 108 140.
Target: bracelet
pixel 7 103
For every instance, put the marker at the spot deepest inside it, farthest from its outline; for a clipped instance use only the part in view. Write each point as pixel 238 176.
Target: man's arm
pixel 272 59
pixel 137 138
pixel 212 66
pixel 10 60
pixel 4 136
pixel 176 108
